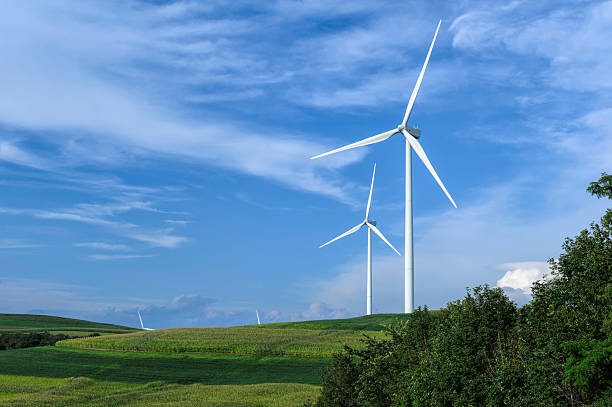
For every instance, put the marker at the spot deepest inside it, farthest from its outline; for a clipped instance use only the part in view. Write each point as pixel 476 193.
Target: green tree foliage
pixel 338 382
pixel 485 351
pixel 461 365
pixel 28 340
pixel 602 188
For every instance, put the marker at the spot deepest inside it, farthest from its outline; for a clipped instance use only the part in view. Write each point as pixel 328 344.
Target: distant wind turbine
pixel 141 325
pixel 258 321
pixel 411 134
pixel 371 227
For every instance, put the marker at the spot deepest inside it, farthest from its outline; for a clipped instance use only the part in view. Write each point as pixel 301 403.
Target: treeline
pixel 483 350
pixel 30 339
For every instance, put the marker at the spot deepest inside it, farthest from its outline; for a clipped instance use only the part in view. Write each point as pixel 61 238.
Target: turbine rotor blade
pixel 379 233
pixel 140 318
pixel 421 153
pixel 415 91
pixel 348 232
pixel 370 197
pixel 370 140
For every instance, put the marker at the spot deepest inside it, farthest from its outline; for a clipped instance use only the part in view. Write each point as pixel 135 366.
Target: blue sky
pixel 154 155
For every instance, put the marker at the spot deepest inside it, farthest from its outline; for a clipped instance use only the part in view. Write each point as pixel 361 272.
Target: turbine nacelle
pixel 370 224
pixel 413 131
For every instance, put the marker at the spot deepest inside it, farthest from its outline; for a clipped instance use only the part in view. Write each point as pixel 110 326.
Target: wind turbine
pixel 412 135
pixel 141 325
pixel 371 227
pixel 258 321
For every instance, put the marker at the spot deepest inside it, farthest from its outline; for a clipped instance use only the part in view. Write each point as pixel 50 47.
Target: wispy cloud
pixel 102 246
pixel 12 153
pixel 177 222
pixel 99 214
pixel 17 244
pixel 56 75
pixel 109 257
pixel 159 238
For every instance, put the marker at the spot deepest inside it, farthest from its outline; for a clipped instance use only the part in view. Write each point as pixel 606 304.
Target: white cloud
pixel 102 246
pixel 573 39
pixel 76 301
pixel 109 257
pixel 522 275
pixel 16 244
pixel 159 238
pixel 102 215
pixel 65 89
pixel 177 222
pixel 41 294
pixel 10 152
pixel 344 292
pixel 320 310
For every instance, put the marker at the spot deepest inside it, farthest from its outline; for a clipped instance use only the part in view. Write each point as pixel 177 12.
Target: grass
pixel 52 376
pixel 248 368
pixel 375 322
pixel 133 367
pixel 45 323
pixel 249 340
pixel 81 391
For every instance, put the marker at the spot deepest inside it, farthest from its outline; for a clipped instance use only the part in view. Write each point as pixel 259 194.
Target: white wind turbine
pixel 371 227
pixel 411 134
pixel 141 325
pixel 258 321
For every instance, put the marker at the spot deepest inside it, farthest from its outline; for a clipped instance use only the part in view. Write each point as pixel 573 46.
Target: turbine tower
pixel 412 135
pixel 141 325
pixel 371 227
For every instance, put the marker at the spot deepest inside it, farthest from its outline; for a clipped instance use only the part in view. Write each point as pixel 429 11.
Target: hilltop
pixel 278 364
pixel 26 323
pixel 275 365
pixel 375 322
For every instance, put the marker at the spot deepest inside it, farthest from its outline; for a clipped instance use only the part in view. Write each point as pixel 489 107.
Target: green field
pixel 45 323
pixel 142 367
pixel 375 322
pixel 268 341
pixel 23 391
pixel 267 365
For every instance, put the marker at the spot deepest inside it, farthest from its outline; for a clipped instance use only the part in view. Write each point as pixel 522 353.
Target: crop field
pixel 274 365
pixel 142 367
pixel 38 323
pixel 20 391
pixel 46 376
pixel 254 340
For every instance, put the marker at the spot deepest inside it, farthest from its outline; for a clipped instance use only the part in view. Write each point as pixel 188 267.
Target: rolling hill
pixel 23 323
pixel 263 365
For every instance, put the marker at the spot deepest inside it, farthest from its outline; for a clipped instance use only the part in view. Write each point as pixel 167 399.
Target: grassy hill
pixel 375 322
pixel 307 338
pixel 261 341
pixel 264 365
pixel 45 323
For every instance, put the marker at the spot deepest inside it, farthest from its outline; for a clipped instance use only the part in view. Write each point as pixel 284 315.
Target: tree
pixel 567 321
pixel 462 363
pixel 483 350
pixel 339 382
